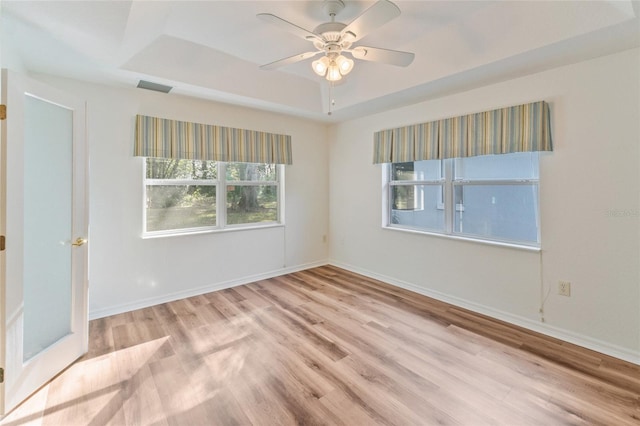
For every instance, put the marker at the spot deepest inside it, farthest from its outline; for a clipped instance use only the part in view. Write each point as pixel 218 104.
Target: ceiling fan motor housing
pixel 330 31
pixel 334 40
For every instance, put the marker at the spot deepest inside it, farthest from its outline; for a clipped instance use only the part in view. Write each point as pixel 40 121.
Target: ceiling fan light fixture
pixel 320 66
pixel 333 72
pixel 332 69
pixel 345 64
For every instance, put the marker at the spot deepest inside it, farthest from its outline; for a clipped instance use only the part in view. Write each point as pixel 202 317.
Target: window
pixel 251 193
pixel 493 197
pixel 191 195
pixel 415 191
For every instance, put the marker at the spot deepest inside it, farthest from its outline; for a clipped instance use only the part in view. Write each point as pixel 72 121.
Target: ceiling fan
pixel 335 38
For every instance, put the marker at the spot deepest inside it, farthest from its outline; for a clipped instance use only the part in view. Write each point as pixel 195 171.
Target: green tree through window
pixel 185 195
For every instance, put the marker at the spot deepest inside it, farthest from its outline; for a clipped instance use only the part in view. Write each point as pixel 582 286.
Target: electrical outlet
pixel 564 288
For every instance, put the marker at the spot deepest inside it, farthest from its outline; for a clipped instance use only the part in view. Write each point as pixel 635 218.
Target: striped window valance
pixel 163 138
pixel 519 128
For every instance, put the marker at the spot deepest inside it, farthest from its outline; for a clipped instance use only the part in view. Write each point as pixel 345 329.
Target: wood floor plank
pixel 289 324
pixel 31 412
pixel 180 403
pixel 461 364
pixel 141 401
pixel 260 404
pixel 86 393
pixel 286 361
pixel 350 413
pixel 185 312
pixel 101 337
pixel 325 346
pixel 456 396
pixel 412 397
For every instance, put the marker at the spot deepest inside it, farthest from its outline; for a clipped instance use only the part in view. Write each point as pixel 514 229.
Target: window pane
pixel 252 204
pixel 180 206
pixel 165 168
pixel 419 170
pixel 417 206
pixel 406 197
pixel 251 172
pixel 503 212
pixel 521 165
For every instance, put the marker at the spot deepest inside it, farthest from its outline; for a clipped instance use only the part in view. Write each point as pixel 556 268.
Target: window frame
pixel 221 184
pixel 449 183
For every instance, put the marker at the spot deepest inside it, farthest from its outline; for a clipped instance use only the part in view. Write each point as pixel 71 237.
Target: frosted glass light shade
pixel 345 64
pixel 320 66
pixel 333 73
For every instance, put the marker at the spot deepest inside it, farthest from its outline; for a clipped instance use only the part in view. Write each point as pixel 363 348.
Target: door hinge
pixel 1 375
pixel 3 112
pixel 2 242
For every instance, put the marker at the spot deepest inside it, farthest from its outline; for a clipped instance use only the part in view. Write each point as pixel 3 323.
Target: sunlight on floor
pixel 90 388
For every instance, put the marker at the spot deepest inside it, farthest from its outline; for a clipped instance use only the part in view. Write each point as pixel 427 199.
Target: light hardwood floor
pixel 326 346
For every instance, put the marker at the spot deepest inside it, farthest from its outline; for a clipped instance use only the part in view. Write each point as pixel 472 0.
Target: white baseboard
pixel 170 297
pixel 543 328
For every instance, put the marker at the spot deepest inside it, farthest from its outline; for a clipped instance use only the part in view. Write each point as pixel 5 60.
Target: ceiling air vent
pixel 143 84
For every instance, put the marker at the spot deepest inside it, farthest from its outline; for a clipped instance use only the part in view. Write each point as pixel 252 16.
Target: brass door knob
pixel 79 241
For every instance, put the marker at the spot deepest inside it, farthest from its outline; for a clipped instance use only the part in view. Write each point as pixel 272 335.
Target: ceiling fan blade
pixel 376 16
pixel 376 54
pixel 290 60
pixel 288 26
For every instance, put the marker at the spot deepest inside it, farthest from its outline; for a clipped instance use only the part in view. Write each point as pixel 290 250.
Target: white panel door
pixel 43 309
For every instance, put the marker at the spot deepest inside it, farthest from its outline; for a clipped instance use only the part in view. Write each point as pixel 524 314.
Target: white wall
pixel 127 271
pixel 594 169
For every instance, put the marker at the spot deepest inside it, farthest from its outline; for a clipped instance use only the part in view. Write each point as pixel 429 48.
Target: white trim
pixel 463 238
pixel 619 352
pixel 151 301
pixel 211 230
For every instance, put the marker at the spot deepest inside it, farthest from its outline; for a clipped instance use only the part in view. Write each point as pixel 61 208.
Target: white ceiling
pixel 212 49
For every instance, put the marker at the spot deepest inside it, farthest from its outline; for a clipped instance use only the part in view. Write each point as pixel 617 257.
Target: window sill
pixel 468 239
pixel 169 234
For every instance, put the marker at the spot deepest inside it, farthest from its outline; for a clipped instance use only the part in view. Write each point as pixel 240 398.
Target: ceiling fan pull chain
pixel 332 101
